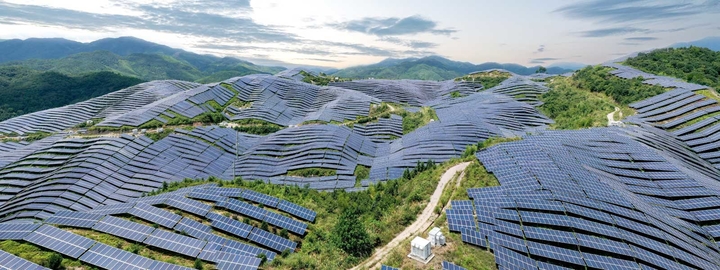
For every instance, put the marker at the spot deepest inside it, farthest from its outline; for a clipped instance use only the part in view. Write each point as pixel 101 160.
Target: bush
pixel 54 261
pixel 198 264
pixel 350 235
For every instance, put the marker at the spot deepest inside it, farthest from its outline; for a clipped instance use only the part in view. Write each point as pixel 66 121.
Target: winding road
pixel 422 223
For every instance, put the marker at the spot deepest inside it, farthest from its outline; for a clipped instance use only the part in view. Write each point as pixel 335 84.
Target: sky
pixel 357 32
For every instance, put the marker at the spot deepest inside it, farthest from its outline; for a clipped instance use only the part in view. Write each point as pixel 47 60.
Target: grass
pixel 572 107
pixel 709 93
pixel 156 136
pixel 487 79
pixel 413 121
pixel 312 172
pixel 361 173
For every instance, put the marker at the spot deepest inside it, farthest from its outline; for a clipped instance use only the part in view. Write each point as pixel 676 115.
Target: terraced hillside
pixel 642 194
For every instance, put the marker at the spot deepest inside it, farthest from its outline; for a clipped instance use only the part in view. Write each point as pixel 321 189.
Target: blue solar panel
pixel 10 262
pixel 385 267
pixel 193 228
pixel 451 266
pixel 272 241
pixel 284 222
pixel 155 215
pixel 74 219
pixel 108 257
pixel 175 242
pixel 296 210
pixel 260 198
pixel 16 231
pixel 63 242
pixel 236 247
pixel 230 261
pixel 245 209
pixel 188 205
pixel 230 225
pixel 122 228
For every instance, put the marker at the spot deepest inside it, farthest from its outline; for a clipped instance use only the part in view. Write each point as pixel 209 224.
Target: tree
pixel 262 257
pixel 264 226
pixel 541 69
pixel 350 235
pixel 54 261
pixel 284 233
pixel 198 264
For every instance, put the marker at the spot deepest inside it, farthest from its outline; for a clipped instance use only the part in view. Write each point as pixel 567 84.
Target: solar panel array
pixel 451 266
pixel 11 262
pixel 608 198
pixel 63 242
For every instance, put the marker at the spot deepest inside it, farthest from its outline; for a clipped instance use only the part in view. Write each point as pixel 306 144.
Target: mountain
pixel 432 68
pixel 568 65
pixel 712 43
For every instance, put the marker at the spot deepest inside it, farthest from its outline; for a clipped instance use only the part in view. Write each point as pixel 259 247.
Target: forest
pixel 692 64
pixel 23 90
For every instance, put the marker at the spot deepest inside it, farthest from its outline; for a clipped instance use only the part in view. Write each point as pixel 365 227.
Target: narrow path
pixel 423 221
pixel 611 118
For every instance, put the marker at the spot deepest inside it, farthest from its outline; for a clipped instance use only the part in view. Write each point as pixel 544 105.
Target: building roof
pixel 419 242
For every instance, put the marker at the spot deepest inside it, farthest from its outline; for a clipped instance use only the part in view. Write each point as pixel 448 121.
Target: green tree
pixel 350 235
pixel 54 261
pixel 198 264
pixel 541 69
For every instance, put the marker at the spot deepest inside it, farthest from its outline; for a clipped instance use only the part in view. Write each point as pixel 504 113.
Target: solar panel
pixel 210 252
pixel 66 243
pixel 297 210
pixel 245 209
pixel 284 222
pixel 122 228
pixel 230 225
pixel 16 231
pixel 158 265
pixel 193 228
pixel 155 215
pixel 74 219
pixel 230 261
pixel 258 197
pixel 233 246
pixel 12 262
pixel 385 267
pixel 272 241
pixel 174 242
pixel 188 205
pixel 108 257
pixel 451 266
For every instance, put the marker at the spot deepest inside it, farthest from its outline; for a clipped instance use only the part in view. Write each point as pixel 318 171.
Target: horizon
pixel 340 35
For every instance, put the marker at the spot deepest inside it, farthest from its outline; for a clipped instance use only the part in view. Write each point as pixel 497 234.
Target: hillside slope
pixel 24 90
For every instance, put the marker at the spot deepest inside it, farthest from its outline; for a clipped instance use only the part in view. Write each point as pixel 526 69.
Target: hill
pixel 692 64
pixel 712 43
pixel 24 90
pixel 431 68
pixel 126 55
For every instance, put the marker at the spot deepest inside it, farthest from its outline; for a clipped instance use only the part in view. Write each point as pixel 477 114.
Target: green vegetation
pixel 709 93
pixel 599 80
pixel 456 94
pixel 150 66
pixel 585 99
pixel 487 79
pixel 413 121
pixel 575 108
pixel 23 90
pixel 350 234
pixel 36 136
pixel 256 126
pixel 693 64
pixel 322 78
pixel 362 172
pixel 470 150
pixel 156 136
pixel 312 172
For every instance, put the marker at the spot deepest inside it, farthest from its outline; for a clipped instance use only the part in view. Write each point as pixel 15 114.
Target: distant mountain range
pixel 127 56
pixel 432 68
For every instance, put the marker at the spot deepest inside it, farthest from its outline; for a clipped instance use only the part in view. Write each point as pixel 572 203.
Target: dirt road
pixel 423 221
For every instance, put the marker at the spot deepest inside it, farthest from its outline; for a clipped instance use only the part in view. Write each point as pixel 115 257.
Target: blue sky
pixel 354 32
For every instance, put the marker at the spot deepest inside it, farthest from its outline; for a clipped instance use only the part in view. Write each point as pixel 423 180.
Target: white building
pixel 436 237
pixel 420 249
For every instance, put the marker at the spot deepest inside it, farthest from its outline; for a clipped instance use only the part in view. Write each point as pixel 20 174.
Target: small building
pixel 160 130
pixel 135 131
pixel 436 237
pixel 420 250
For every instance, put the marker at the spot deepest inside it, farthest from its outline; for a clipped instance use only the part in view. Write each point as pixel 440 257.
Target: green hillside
pixel 24 90
pixel 147 66
pixel 693 64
